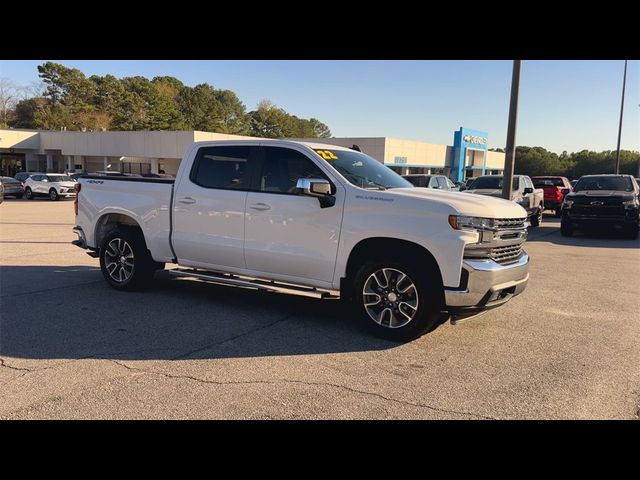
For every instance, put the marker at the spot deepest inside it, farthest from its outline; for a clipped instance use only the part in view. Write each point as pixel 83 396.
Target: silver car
pixel 12 187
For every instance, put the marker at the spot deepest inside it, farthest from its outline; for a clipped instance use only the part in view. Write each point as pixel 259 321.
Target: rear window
pixel 547 182
pixel 222 167
pixel 492 182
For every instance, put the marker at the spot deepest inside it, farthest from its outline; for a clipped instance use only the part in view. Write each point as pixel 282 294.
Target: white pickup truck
pixel 310 219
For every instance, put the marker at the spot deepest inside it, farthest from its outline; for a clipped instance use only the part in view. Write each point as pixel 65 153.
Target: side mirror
pixel 319 188
pixel 566 191
pixel 528 190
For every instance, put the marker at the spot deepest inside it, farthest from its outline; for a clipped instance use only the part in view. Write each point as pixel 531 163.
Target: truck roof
pixel 258 141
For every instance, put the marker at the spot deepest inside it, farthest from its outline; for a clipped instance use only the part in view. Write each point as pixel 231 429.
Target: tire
pixel 28 193
pixel 19 196
pixel 536 219
pixel 53 195
pixel 421 289
pixel 558 212
pixel 125 261
pixel 566 230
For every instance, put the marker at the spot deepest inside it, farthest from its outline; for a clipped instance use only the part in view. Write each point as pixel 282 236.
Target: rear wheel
pixel 396 301
pixel 53 195
pixel 125 261
pixel 28 193
pixel 566 230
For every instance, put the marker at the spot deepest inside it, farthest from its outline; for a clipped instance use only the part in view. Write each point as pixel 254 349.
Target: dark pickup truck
pixel 609 201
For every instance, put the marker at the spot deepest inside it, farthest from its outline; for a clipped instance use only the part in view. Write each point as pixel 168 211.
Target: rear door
pixel 287 233
pixel 209 207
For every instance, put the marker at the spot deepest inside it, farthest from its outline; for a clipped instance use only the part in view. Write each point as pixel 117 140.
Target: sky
pixel 564 105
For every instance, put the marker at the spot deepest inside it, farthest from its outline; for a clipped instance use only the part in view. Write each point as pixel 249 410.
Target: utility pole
pixel 510 155
pixel 624 84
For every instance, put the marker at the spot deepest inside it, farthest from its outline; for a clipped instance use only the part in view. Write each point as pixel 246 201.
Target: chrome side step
pixel 250 282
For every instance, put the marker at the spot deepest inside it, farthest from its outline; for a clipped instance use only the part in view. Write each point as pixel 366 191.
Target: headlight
pixel 630 204
pixel 462 222
pixel 567 203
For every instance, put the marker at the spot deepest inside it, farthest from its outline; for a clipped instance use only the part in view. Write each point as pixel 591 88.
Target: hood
pixel 463 203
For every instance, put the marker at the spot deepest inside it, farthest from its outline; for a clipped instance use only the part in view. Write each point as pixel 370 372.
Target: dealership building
pixel 151 151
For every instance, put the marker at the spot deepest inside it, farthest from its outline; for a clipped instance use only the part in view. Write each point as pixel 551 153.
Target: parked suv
pixel 555 188
pixel 52 185
pixel 439 182
pixel 602 201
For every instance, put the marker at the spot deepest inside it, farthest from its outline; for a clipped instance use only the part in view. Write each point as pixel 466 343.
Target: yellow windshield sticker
pixel 327 154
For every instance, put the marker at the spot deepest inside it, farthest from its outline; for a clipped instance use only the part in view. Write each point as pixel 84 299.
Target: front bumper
pixel 488 284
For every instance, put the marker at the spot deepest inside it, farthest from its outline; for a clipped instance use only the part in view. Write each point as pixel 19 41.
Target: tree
pixel 9 93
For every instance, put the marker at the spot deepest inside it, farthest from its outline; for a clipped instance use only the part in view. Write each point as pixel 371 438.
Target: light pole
pixel 510 155
pixel 624 84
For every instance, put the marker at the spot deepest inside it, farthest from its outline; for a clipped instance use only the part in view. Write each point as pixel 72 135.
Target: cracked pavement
pixel 70 347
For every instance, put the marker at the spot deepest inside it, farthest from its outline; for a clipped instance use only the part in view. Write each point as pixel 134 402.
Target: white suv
pixel 52 185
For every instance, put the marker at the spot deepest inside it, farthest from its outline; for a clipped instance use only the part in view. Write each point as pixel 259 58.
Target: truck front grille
pixel 503 244
pixel 507 223
pixel 508 254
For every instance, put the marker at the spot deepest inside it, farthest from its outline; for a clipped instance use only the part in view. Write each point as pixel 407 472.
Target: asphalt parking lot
pixel 71 347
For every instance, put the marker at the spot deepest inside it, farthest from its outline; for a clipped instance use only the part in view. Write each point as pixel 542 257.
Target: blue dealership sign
pixel 468 144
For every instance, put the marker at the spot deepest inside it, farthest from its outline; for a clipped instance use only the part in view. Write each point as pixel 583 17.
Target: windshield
pixel 362 170
pixel 547 182
pixel 59 178
pixel 622 184
pixel 491 182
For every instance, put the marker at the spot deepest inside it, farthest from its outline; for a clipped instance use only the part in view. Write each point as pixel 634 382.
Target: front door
pixel 286 233
pixel 209 208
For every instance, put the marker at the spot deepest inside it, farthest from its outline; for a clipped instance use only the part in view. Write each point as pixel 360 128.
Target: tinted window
pixel 37 178
pixel 282 167
pixel 492 182
pixel 418 181
pixel 622 184
pixel 548 182
pixel 59 178
pixel 442 183
pixel 222 167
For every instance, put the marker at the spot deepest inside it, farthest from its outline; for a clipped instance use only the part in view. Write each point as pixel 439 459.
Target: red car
pixel 555 188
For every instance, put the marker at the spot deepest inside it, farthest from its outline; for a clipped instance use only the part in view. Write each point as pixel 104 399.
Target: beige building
pixel 152 151
pixel 130 152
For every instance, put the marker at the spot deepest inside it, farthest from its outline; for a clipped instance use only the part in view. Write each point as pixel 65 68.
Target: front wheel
pixel 125 261
pixel 566 230
pixel 53 195
pixel 28 193
pixel 396 301
pixel 536 218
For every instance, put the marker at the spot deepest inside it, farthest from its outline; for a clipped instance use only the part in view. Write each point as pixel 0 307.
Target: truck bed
pixel 146 200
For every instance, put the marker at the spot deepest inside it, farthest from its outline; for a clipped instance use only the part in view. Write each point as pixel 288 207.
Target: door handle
pixel 187 200
pixel 260 206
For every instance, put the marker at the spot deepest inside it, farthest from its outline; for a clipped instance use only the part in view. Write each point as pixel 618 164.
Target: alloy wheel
pixel 390 298
pixel 119 260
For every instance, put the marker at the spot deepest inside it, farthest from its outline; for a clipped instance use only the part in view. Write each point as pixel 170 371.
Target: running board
pixel 270 286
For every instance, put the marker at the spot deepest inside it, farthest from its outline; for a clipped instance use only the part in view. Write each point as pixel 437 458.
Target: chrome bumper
pixel 489 284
